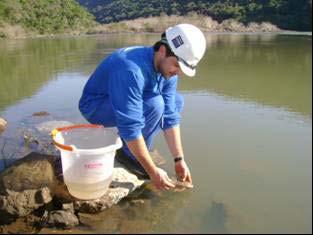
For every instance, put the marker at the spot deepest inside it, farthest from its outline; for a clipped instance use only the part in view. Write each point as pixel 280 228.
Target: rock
pixel 48 126
pixel 60 218
pixel 23 225
pixel 68 207
pixel 3 124
pixel 36 135
pixel 122 184
pixel 180 185
pixel 41 113
pixel 87 218
pixel 137 202
pixel 26 186
pixel 43 196
pixel 115 220
pixel 19 204
pixel 34 171
pixel 107 221
pixel 121 220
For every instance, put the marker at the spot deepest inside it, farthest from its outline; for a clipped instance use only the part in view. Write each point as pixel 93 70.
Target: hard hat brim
pixel 186 70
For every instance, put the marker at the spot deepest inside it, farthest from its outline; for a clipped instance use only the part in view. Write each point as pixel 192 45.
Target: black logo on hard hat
pixel 178 41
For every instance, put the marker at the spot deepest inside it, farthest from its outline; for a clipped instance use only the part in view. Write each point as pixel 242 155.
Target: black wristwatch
pixel 177 159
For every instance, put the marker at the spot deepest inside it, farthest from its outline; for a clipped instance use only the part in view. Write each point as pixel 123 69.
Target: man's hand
pixel 161 180
pixel 182 171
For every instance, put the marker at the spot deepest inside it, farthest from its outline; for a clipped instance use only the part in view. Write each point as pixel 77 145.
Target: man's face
pixel 168 66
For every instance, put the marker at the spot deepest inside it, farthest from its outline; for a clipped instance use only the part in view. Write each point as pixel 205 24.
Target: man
pixel 134 89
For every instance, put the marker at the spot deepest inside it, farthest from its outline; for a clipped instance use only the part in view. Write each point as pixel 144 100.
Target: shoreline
pixel 71 35
pixel 153 25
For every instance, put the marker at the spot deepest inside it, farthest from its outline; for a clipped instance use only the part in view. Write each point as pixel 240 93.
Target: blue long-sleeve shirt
pixel 127 77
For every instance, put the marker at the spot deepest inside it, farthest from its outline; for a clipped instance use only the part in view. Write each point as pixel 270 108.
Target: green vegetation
pixel 44 16
pixel 286 14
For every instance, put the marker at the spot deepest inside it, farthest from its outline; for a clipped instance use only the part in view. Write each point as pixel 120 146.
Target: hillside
pixel 286 14
pixel 42 17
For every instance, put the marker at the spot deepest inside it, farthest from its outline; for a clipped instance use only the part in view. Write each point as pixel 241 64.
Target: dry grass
pixel 151 24
pixel 12 31
pixel 16 31
pixel 159 24
pixel 155 24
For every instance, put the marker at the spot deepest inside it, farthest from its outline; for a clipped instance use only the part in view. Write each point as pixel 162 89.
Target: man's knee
pixel 103 114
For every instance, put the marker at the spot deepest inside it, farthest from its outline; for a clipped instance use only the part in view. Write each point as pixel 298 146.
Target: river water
pixel 246 129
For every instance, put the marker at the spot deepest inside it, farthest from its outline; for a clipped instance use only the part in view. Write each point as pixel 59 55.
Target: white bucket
pixel 87 154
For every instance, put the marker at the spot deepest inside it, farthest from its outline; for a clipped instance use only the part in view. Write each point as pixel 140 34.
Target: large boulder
pixel 31 172
pixel 25 186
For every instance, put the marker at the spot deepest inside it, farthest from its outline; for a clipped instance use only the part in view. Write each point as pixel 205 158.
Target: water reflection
pixel 268 69
pixel 271 69
pixel 26 65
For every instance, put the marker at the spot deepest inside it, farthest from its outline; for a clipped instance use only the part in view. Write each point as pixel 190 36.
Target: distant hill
pixel 44 16
pixel 286 14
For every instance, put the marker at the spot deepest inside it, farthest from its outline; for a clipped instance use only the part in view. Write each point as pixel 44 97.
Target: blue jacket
pixel 127 77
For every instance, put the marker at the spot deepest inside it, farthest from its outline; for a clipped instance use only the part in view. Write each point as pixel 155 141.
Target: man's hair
pixel 163 42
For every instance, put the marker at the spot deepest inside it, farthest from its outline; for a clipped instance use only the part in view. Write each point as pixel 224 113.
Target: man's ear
pixel 162 50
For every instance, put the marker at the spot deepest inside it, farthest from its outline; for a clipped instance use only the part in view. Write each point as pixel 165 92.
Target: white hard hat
pixel 188 43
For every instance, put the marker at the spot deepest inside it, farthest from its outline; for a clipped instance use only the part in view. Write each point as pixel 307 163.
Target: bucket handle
pixel 55 131
pixel 75 151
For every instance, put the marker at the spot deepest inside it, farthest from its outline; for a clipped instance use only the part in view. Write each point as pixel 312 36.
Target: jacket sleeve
pixel 125 91
pixel 171 116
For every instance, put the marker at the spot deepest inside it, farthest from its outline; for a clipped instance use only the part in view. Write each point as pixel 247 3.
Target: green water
pixel 246 129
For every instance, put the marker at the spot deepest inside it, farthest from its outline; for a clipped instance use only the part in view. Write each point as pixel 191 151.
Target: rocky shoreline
pixel 33 195
pixel 33 187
